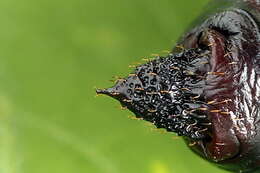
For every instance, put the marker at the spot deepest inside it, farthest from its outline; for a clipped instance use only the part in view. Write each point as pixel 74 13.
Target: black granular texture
pixel 168 91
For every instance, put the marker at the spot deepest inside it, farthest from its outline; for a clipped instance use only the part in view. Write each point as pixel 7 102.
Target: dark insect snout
pixel 167 91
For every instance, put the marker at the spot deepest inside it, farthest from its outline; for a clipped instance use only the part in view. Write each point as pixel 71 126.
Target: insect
pixel 209 92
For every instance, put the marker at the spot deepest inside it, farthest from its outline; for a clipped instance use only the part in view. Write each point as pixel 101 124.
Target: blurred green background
pixel 52 55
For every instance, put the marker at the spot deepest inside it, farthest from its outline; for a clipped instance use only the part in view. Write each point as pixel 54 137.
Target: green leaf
pixel 53 54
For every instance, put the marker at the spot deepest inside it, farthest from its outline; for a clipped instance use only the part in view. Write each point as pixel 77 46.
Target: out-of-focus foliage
pixel 52 54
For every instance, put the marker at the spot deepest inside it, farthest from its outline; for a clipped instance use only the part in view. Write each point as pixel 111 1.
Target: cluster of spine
pixel 167 92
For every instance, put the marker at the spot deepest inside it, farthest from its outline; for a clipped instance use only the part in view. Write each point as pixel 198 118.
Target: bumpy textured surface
pixel 167 92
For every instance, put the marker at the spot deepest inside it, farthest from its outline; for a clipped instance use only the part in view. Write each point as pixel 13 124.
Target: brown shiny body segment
pixel 232 35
